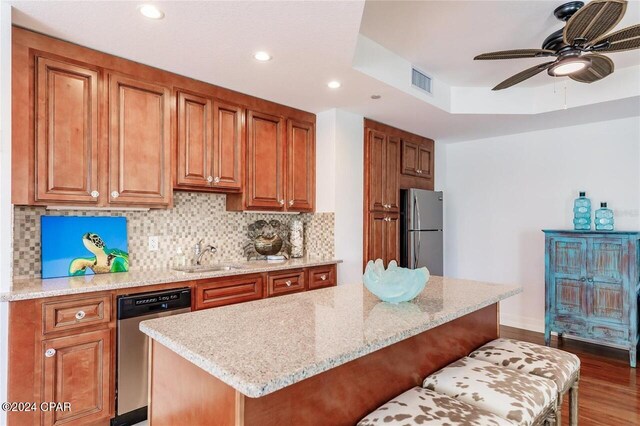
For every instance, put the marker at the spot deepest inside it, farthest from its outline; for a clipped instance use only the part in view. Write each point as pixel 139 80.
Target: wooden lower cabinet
pixel 76 369
pixel 286 282
pixel 383 237
pixel 228 290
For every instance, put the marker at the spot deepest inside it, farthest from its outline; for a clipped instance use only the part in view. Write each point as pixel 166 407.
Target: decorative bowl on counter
pixel 394 284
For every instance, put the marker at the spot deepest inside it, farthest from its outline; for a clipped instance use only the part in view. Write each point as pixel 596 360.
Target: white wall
pixel 339 185
pixel 500 193
pixel 5 189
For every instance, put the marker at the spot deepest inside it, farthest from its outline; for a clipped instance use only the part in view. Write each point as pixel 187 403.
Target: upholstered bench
pixel 419 406
pixel 520 398
pixel 560 366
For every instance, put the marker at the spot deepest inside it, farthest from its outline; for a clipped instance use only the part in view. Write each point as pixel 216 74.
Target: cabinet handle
pixel 209 179
pixel 282 202
pixel 95 194
pixel 290 202
pixel 80 315
pixel 115 194
pixel 216 179
pixel 49 352
pixel 323 277
pixel 288 283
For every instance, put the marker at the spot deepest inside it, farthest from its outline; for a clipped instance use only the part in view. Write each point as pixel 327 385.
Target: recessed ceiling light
pixel 333 84
pixel 151 12
pixel 262 56
pixel 375 96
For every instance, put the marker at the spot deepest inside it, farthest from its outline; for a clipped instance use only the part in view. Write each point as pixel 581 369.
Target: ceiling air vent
pixel 420 80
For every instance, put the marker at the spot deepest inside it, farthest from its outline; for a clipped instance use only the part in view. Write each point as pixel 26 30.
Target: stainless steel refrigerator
pixel 421 230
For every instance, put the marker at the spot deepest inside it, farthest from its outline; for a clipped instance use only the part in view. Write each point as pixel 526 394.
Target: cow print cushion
pixel 518 397
pixel 419 406
pixel 559 366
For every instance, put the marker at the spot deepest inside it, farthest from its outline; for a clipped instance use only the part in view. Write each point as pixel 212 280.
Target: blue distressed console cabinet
pixel 592 286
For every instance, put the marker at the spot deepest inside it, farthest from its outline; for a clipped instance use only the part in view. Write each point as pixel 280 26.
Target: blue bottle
pixel 582 213
pixel 604 218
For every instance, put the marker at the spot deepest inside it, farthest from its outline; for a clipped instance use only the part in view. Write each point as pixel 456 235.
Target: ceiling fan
pixel 575 45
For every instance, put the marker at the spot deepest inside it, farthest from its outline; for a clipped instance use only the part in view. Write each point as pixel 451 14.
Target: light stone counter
pixel 262 346
pixel 34 288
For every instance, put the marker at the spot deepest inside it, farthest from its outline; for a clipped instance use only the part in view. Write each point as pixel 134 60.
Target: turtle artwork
pixel 267 238
pixel 104 260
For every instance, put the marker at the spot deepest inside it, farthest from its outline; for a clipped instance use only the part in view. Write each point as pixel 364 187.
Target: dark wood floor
pixel 609 393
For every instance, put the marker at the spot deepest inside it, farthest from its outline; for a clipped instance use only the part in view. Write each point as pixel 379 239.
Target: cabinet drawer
pixel 571 326
pixel 285 282
pixel 322 276
pixel 69 314
pixel 609 333
pixel 228 290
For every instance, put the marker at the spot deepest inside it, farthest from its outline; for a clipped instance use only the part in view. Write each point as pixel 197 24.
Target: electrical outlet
pixel 154 244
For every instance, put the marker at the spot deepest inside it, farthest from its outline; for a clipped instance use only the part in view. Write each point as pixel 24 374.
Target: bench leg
pixel 573 404
pixel 559 412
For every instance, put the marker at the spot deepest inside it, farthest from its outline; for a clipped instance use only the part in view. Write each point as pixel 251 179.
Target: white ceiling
pixel 313 42
pixel 443 37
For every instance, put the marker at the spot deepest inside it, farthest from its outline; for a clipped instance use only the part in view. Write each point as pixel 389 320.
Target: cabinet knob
pixel 590 279
pixel 583 279
pixel 216 179
pixel 288 283
pixel 209 179
pixel 290 202
pixel 282 202
pixel 95 194
pixel 115 194
pixel 80 315
pixel 323 277
pixel 419 171
pixel 49 352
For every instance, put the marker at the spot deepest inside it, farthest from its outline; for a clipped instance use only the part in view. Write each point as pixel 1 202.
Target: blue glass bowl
pixel 394 284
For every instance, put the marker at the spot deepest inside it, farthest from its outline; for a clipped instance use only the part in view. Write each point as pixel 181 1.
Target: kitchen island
pixel 333 354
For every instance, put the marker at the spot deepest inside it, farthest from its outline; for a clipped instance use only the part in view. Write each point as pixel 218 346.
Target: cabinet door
pixel 606 272
pixel 265 158
pixel 376 241
pixel 76 369
pixel 194 141
pixel 409 158
pixel 391 172
pixel 425 162
pixel 392 238
pixel 66 132
pixel 228 146
pixel 568 284
pixel 139 142
pixel 375 163
pixel 301 170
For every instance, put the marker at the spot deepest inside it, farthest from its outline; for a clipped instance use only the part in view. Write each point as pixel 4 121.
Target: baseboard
pixel 525 323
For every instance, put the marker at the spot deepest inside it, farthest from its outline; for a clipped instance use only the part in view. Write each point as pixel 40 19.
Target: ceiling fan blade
pixel 522 76
pixel 625 39
pixel 515 54
pixel 593 20
pixel 600 67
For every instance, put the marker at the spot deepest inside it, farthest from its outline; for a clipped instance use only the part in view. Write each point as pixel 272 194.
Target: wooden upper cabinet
pixel 301 160
pixel 139 142
pixel 417 158
pixel 66 132
pixel 228 146
pixel 195 141
pixel 391 195
pixel 76 369
pixel 265 162
pixel 375 164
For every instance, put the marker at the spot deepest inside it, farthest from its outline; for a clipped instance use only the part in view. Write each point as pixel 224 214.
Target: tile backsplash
pixel 194 216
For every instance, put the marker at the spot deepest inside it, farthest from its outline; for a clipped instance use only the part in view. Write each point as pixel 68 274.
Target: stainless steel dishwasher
pixel 133 348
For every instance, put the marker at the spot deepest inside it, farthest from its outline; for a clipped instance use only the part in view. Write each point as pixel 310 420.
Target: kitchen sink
pixel 207 268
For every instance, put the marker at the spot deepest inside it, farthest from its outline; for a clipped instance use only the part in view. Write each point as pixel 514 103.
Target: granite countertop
pixel 34 288
pixel 262 346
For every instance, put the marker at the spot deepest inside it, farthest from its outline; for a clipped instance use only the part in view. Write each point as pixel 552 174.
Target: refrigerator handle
pixel 416 241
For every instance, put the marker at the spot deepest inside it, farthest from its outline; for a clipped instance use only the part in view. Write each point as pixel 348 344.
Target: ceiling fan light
pixel 568 66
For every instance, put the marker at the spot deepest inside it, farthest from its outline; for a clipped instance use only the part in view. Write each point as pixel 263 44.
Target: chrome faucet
pixel 199 251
